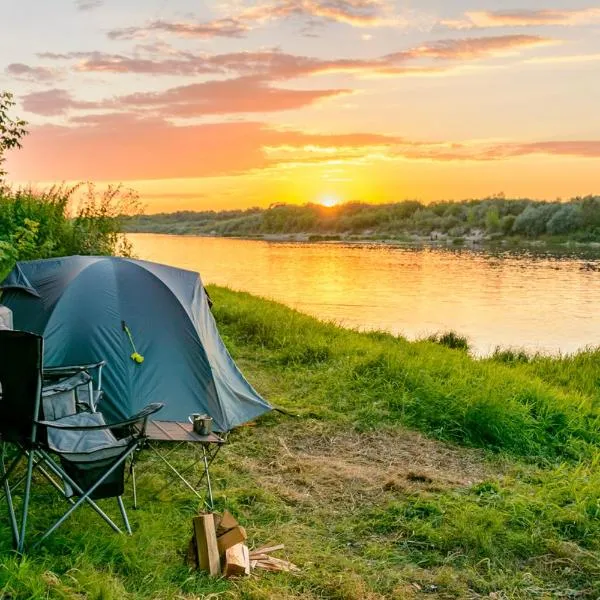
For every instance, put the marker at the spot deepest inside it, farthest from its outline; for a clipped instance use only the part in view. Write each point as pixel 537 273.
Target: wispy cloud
pixel 231 28
pixel 233 96
pixel 525 18
pixel 471 48
pixel 88 4
pixel 563 59
pixel 27 73
pixel 274 65
pixel 53 102
pixel 482 151
pixel 356 13
pixel 239 95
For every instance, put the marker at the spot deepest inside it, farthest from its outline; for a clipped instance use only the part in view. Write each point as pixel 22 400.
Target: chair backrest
pixel 21 356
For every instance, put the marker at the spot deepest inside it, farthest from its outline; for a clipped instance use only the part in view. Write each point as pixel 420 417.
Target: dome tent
pixel 80 304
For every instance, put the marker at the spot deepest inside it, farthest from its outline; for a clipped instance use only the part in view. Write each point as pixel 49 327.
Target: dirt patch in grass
pixel 316 465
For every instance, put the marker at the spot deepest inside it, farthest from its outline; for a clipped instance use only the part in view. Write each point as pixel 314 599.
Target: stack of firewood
pixel 217 547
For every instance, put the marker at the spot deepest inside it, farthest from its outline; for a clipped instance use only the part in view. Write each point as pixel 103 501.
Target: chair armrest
pixel 141 416
pixel 71 369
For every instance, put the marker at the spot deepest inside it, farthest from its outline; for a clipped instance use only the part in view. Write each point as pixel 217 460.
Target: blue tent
pixel 80 305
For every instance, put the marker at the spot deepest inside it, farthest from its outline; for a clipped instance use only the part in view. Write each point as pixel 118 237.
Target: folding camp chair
pixel 91 460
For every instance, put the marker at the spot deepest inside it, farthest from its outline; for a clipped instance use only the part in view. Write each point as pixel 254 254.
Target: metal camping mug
pixel 202 424
pixel 205 425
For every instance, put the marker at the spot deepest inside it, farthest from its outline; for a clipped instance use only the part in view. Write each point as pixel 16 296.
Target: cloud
pixel 471 48
pixel 232 96
pixel 27 73
pixel 126 147
pixel 356 13
pixel 239 95
pixel 53 102
pixel 88 4
pixel 582 149
pixel 563 59
pixel 221 28
pixel 274 65
pixel 525 18
pixel 485 152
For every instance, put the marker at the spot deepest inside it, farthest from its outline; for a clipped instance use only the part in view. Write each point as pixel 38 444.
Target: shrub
pixel 450 339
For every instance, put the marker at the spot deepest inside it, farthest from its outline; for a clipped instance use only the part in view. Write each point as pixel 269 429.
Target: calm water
pixel 538 302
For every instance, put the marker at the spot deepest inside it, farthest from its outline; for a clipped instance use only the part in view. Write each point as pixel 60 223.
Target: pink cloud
pixel 53 102
pixel 275 65
pixel 470 48
pixel 22 71
pixel 357 13
pixel 525 18
pixel 220 28
pixel 123 146
pixel 240 95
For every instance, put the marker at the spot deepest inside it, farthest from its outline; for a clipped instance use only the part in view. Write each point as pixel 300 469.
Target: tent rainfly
pixel 91 308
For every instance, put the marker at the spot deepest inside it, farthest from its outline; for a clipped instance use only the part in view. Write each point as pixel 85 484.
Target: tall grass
pixel 377 380
pixel 62 221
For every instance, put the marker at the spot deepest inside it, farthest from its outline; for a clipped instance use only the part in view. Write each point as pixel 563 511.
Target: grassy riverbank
pixel 410 471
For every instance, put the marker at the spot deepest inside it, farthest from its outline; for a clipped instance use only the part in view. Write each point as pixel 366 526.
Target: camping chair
pixel 91 460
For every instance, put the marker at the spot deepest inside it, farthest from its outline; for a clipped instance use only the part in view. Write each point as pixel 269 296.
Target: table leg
pixel 207 472
pixel 184 481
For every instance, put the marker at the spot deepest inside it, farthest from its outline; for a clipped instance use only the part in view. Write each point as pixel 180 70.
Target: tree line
pixel 494 217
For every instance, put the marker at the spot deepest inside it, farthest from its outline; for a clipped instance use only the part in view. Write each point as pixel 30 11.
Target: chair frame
pixel 38 456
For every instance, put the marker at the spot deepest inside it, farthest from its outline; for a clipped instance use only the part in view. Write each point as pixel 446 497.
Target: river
pixel 537 301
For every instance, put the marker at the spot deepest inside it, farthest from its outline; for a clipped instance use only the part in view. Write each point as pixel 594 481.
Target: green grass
pixel 405 470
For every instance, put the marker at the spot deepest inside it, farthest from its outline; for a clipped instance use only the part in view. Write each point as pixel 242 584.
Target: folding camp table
pixel 183 433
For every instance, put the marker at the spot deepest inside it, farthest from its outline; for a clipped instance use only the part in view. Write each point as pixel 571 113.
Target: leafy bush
pixel 62 221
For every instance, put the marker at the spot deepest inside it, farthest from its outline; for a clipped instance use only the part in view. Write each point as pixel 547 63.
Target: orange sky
pixel 235 104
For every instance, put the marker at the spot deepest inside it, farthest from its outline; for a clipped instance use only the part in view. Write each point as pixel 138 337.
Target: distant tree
pixel 492 219
pixel 566 219
pixel 11 130
pixel 533 220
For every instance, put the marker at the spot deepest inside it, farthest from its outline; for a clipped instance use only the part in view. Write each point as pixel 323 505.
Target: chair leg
pixel 86 498
pixel 11 515
pixel 124 514
pixel 7 492
pixel 60 473
pixel 21 543
pixel 133 484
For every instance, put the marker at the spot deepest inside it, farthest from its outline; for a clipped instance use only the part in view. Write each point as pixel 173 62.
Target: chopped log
pixel 206 544
pixel 266 549
pixel 217 517
pixel 253 564
pixel 226 522
pixel 230 538
pixel 237 560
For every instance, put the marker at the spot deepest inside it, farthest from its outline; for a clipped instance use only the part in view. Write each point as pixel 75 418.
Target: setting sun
pixel 329 200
